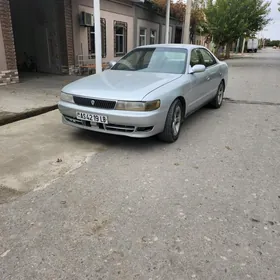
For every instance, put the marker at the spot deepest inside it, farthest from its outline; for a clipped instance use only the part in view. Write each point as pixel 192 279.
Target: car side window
pixel 147 57
pixel 195 58
pixel 208 59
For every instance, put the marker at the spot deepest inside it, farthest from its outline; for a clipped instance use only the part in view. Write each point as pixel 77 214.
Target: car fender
pixel 224 71
pixel 169 92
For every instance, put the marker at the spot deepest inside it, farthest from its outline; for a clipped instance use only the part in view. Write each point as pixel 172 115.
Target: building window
pixel 91 38
pixel 153 37
pixel 120 38
pixel 143 37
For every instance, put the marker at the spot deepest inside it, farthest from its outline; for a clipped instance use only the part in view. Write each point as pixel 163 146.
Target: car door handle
pixel 220 73
pixel 208 78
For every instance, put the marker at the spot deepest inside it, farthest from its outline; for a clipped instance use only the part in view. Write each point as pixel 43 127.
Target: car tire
pixel 217 102
pixel 173 123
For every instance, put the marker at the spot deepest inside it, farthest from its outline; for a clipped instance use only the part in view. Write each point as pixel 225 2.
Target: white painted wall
pixel 149 25
pixel 81 35
pixel 200 40
pixel 163 34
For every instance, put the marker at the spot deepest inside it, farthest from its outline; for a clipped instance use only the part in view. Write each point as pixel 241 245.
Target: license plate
pixel 91 117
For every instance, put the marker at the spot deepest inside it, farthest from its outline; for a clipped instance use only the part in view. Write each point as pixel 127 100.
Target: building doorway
pixel 178 35
pixel 39 36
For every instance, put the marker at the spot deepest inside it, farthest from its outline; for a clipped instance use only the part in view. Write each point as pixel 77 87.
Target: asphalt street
pixel 206 207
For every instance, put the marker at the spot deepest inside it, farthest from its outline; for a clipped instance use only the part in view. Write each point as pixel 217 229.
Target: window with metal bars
pixel 153 37
pixel 91 38
pixel 120 38
pixel 142 36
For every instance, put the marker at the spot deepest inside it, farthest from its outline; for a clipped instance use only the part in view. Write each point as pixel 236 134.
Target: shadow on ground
pixel 139 144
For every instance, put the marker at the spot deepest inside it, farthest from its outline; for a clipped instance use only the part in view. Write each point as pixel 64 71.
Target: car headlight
pixel 66 97
pixel 138 105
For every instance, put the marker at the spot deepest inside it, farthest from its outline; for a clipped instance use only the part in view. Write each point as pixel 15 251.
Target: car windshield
pixel 158 60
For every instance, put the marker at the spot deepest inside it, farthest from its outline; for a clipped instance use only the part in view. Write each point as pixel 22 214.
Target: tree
pixel 198 19
pixel 230 19
pixel 177 10
pixel 258 16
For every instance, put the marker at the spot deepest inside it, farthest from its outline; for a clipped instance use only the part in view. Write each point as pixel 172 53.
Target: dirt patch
pixel 8 195
pixel 9 117
pixel 6 115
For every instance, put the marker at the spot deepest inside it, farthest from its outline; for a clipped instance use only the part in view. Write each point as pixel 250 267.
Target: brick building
pixel 8 65
pixel 48 35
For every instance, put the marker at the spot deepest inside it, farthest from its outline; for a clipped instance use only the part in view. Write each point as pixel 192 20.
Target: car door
pixel 213 74
pixel 198 82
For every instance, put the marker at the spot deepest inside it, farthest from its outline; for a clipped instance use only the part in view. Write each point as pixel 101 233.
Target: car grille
pixel 118 127
pixel 95 103
pixel 110 126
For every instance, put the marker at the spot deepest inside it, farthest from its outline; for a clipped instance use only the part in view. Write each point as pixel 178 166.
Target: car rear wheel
pixel 218 100
pixel 173 123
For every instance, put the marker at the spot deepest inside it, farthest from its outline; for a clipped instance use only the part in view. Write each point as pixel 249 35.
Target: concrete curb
pixel 252 102
pixel 14 117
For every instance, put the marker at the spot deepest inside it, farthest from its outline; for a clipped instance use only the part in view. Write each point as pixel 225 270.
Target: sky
pixel 272 31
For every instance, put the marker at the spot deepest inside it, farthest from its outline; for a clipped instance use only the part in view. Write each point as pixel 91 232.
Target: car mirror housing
pixel 112 63
pixel 198 68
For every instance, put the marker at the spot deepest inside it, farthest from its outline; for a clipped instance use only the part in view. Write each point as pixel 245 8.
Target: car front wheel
pixel 173 123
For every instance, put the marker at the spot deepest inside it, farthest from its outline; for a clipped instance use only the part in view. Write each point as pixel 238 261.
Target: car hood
pixel 119 85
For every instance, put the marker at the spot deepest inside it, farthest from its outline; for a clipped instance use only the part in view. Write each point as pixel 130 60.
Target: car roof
pixel 179 46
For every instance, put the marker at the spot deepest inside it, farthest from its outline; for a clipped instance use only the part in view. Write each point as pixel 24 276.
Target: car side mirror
pixel 112 63
pixel 198 68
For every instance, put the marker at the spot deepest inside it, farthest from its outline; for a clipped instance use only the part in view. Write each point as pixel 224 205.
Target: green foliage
pixel 178 9
pixel 258 16
pixel 198 19
pixel 272 43
pixel 230 19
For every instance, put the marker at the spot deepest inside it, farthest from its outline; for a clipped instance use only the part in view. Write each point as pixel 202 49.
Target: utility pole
pixel 97 36
pixel 243 45
pixel 263 39
pixel 167 19
pixel 186 33
pixel 237 46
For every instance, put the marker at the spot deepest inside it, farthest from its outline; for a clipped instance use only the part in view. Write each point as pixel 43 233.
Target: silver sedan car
pixel 149 91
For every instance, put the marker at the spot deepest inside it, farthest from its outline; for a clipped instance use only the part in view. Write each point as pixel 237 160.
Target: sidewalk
pixel 241 55
pixel 237 56
pixel 35 94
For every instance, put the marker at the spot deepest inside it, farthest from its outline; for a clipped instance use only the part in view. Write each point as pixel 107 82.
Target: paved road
pixel 255 78
pixel 38 151
pixel 206 207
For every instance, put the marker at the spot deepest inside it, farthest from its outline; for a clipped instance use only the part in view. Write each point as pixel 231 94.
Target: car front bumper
pixel 127 123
